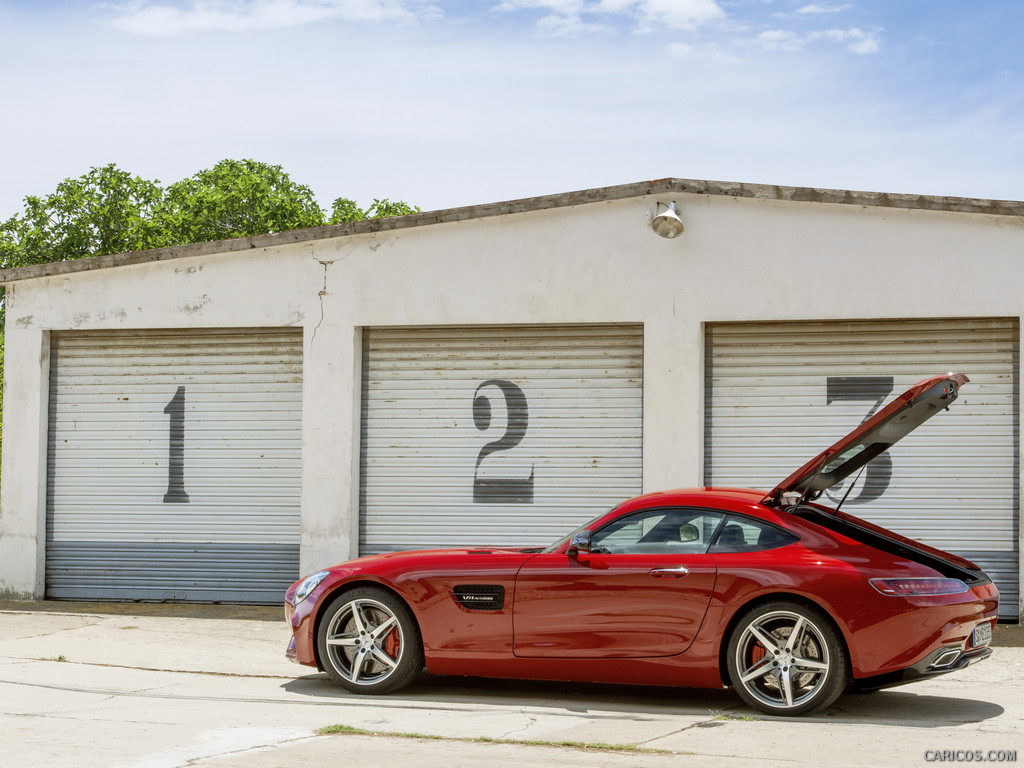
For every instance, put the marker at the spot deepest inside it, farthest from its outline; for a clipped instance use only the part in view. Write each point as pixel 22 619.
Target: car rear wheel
pixel 369 641
pixel 786 659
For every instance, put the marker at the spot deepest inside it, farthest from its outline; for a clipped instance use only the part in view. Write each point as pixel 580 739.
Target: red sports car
pixel 788 601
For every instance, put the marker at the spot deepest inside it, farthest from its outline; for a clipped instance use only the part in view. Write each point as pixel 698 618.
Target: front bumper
pixel 301 644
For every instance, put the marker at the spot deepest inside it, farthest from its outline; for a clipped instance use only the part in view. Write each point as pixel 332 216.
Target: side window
pixel 659 531
pixel 741 534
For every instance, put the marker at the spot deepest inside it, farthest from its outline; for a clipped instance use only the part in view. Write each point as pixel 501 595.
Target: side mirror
pixel 580 542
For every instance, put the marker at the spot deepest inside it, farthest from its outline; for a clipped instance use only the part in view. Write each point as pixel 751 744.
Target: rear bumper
pixel 941 661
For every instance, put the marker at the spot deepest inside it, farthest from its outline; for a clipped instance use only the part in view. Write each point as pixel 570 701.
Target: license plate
pixel 982 635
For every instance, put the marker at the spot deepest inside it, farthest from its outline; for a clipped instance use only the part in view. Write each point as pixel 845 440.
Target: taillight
pixel 912 587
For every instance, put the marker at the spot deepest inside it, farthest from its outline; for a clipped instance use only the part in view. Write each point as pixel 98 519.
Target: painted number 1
pixel 176 450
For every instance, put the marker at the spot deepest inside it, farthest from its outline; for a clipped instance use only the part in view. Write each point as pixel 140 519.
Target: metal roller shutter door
pixel 496 435
pixel 777 394
pixel 174 465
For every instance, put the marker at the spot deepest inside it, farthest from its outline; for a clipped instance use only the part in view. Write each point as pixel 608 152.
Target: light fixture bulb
pixel 667 223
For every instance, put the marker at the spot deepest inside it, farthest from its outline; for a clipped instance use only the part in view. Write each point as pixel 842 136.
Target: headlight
pixel 309 584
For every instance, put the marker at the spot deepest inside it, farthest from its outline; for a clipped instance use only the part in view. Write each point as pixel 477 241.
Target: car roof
pixel 740 500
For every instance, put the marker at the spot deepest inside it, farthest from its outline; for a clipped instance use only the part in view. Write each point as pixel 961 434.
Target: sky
pixel 445 103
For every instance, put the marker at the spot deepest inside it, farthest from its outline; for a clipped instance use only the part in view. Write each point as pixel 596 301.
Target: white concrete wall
pixel 739 259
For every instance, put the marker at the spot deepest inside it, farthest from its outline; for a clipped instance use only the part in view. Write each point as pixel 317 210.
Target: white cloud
pixel 569 25
pixel 680 14
pixel 711 54
pixel 645 14
pixel 680 50
pixel 855 40
pixel 159 20
pixel 560 7
pixel 814 8
pixel 781 39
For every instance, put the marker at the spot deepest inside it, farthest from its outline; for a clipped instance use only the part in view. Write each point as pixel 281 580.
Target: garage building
pixel 208 422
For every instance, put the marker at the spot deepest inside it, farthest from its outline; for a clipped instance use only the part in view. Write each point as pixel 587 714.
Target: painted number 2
pixel 176 450
pixel 501 490
pixel 868 389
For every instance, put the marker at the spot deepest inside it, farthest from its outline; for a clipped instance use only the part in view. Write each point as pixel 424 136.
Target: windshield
pixel 564 540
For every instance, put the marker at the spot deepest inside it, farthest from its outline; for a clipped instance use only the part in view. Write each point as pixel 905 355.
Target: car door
pixel 642 590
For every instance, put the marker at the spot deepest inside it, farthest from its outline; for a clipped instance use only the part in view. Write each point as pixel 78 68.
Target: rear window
pixel 746 535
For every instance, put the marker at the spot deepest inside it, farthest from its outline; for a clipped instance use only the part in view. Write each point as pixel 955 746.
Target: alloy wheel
pixel 365 641
pixel 786 659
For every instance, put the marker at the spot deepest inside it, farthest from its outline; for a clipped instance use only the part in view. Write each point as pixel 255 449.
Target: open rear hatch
pixel 833 465
pixel 891 424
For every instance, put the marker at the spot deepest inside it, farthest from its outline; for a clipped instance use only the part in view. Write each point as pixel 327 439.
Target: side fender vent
pixel 480 597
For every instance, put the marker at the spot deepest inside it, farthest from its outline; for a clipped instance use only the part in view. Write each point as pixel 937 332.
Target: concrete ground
pixel 137 686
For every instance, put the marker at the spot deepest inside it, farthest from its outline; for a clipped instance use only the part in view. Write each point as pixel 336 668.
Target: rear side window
pixel 746 535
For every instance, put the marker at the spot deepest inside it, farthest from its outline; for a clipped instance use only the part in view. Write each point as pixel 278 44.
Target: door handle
pixel 669 572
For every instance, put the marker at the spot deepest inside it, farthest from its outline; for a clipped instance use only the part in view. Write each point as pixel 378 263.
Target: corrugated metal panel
pixel 174 465
pixel 496 435
pixel 777 394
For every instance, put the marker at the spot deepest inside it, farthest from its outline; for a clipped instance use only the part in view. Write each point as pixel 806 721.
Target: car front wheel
pixel 786 659
pixel 369 641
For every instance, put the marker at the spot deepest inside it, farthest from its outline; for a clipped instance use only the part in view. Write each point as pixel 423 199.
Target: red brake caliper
pixel 757 653
pixel 392 643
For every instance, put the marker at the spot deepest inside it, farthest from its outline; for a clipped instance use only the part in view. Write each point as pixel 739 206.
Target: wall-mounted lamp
pixel 667 223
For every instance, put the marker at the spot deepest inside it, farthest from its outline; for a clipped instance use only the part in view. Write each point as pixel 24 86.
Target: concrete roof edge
pixel 566 199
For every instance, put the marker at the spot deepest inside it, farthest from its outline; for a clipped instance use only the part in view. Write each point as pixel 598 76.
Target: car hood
pixel 899 418
pixel 367 563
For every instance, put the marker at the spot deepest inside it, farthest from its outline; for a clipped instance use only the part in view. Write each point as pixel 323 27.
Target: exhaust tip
pixel 946 658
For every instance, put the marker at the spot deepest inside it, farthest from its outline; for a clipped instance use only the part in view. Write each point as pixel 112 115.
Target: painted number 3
pixel 868 389
pixel 501 490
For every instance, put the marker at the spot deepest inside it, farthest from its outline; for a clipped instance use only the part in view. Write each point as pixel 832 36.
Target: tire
pixel 785 658
pixel 369 641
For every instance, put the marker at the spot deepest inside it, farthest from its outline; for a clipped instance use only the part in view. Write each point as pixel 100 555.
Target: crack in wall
pixel 321 294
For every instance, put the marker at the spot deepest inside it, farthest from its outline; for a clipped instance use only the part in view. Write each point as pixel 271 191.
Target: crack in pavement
pixel 532 720
pixel 362 703
pixel 17 659
pixel 245 751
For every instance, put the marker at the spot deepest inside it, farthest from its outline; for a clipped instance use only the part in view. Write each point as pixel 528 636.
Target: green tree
pixel 105 211
pixel 108 210
pixel 235 198
pixel 345 210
